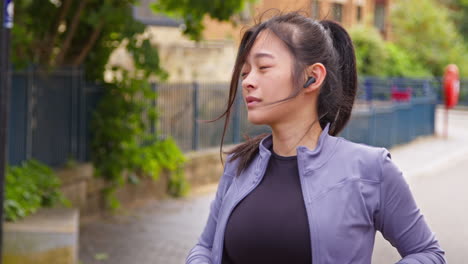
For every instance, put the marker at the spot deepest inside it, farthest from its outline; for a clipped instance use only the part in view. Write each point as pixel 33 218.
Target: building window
pixel 315 9
pixel 359 13
pixel 337 11
pixel 379 16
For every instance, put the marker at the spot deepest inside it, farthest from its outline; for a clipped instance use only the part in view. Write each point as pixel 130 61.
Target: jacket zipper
pixel 221 247
pixel 307 205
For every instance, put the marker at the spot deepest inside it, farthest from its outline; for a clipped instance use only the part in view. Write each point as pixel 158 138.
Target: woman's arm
pixel 201 252
pixel 400 220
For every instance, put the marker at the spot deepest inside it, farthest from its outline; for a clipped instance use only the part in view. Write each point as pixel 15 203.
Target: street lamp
pixel 5 83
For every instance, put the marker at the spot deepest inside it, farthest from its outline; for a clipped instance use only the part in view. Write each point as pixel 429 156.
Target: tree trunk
pixel 70 34
pixel 89 45
pixel 50 40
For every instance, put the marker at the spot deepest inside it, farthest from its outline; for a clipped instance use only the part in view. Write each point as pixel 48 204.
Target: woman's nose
pixel 249 82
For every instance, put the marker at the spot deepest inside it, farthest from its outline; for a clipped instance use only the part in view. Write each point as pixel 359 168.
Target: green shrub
pixel 376 57
pixel 401 64
pixel 424 28
pixel 123 141
pixel 30 186
pixel 371 55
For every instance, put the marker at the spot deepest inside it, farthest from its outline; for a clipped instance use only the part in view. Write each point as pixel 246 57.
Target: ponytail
pixel 346 77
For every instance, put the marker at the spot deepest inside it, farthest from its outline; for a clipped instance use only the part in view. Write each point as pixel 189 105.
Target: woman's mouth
pixel 252 101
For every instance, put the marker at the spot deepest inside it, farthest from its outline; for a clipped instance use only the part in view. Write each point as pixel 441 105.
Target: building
pixel 212 59
pixel 347 12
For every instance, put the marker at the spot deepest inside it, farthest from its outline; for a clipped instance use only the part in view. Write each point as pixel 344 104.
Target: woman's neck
pixel 287 137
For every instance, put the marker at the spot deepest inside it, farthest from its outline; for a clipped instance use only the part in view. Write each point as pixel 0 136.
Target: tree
pixel 194 11
pixel 75 33
pixel 430 36
pixel 376 57
pixel 370 50
pixel 459 13
pixel 58 33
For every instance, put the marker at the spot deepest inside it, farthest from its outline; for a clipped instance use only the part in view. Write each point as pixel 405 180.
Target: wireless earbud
pixel 309 81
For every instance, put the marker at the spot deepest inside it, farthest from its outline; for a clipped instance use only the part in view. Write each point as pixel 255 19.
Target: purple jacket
pixel 350 190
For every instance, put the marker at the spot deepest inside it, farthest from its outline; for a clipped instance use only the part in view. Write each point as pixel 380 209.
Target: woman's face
pixel 266 78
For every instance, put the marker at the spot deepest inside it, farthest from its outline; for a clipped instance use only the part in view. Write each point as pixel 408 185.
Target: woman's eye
pixel 264 67
pixel 244 74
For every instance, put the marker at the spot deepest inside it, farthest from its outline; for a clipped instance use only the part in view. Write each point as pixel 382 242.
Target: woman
pixel 300 194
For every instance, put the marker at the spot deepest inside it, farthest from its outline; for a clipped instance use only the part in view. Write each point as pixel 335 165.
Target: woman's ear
pixel 317 71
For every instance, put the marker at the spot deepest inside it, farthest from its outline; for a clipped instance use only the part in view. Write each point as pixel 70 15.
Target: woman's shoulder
pixel 368 158
pixel 361 149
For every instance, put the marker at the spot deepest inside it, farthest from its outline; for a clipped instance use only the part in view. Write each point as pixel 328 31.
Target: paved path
pixel 442 196
pixel 439 182
pixel 163 232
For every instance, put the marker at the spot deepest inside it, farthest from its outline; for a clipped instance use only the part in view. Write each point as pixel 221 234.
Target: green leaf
pixel 30 186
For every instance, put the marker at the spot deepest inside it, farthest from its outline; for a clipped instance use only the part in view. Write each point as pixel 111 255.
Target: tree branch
pixel 89 44
pixel 46 55
pixel 70 34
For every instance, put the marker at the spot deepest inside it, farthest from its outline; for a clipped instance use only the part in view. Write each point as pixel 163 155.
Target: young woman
pixel 301 194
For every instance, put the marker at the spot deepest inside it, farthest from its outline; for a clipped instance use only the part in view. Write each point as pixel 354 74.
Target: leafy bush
pixel 122 140
pixel 30 186
pixel 401 64
pixel 371 55
pixel 430 36
pixel 376 57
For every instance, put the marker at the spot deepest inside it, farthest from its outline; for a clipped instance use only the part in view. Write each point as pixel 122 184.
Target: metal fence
pixel 392 111
pixel 184 108
pixel 463 96
pixel 463 92
pixel 387 112
pixel 50 115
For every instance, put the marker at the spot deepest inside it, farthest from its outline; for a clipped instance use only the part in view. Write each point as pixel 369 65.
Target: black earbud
pixel 309 81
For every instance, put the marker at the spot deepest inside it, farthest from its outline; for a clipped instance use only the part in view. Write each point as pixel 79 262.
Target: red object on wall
pixel 401 95
pixel 451 85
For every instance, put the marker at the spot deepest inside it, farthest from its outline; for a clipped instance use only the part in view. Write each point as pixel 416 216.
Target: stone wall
pixel 86 192
pixel 48 236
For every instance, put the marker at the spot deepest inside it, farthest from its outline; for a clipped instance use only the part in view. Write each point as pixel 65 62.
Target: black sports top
pixel 270 224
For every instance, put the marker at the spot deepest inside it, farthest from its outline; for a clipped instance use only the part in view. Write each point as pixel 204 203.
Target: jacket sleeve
pixel 201 252
pixel 400 220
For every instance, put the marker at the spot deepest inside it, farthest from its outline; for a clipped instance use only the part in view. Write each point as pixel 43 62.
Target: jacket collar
pixel 308 159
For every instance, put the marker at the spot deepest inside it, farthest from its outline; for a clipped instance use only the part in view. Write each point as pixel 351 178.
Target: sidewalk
pixel 164 231
pixel 438 181
pixel 426 154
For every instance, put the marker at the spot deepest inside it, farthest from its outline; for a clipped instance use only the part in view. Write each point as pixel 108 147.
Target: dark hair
pixel 309 41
